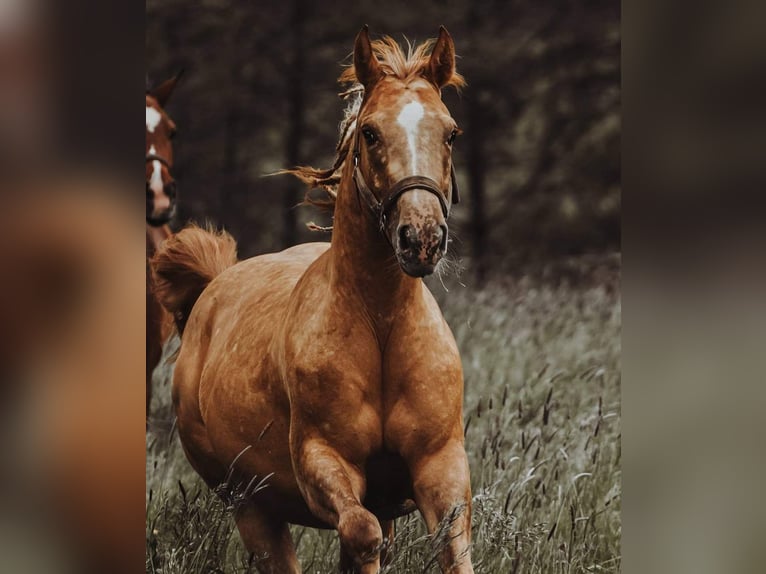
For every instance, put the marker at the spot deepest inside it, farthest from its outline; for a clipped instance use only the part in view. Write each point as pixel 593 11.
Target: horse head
pixel 160 130
pixel 402 147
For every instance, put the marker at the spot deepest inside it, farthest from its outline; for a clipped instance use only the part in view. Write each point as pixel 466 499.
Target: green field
pixel 542 414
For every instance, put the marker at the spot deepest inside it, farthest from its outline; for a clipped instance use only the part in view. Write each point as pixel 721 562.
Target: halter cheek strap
pixel 381 208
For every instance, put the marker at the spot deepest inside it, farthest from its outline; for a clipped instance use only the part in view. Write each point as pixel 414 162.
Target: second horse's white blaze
pixel 409 118
pixel 155 183
pixel 153 119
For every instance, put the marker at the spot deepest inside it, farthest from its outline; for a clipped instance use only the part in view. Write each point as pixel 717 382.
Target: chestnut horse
pixel 328 369
pixel 160 208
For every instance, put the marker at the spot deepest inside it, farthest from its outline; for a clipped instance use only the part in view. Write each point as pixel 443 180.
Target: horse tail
pixel 185 264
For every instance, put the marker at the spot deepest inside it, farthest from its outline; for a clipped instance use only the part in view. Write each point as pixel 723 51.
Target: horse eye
pixel 173 134
pixel 369 136
pixel 451 138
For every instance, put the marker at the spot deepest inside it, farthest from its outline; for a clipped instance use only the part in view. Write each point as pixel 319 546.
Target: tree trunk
pixel 296 119
pixel 476 171
pixel 228 200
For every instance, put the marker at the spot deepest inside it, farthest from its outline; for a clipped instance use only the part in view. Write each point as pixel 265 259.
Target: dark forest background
pixel 539 162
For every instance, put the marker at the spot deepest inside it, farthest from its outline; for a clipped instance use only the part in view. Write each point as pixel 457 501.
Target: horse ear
pixel 441 66
pixel 163 92
pixel 366 65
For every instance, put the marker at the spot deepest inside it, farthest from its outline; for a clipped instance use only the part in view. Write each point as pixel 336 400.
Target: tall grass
pixel 542 419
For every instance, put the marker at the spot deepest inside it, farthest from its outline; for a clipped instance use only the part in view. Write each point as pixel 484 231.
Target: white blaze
pixel 153 119
pixel 155 183
pixel 409 118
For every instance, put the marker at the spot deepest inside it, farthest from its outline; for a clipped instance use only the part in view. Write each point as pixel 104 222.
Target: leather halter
pixel 381 208
pixel 155 157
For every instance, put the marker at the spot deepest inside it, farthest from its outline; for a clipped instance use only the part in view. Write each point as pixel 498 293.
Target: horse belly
pixel 239 413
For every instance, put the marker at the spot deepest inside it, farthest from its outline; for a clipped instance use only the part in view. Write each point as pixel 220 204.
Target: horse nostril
pixel 170 190
pixel 443 239
pixel 404 237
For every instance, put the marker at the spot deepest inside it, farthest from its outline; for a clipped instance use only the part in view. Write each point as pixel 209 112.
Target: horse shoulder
pixel 328 349
pixel 322 332
pixel 424 381
pixel 233 323
pixel 329 358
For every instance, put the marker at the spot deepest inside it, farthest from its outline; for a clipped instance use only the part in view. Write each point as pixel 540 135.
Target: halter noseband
pixel 381 208
pixel 155 157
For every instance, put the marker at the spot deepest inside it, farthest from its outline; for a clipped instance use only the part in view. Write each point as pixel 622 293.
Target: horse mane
pixel 393 61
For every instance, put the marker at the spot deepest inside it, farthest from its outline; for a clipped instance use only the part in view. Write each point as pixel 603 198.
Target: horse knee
pixel 361 538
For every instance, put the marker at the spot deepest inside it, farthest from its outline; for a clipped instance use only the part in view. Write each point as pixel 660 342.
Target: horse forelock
pixel 401 64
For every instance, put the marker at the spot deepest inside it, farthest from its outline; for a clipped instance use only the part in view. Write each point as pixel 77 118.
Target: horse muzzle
pixel 157 218
pixel 160 206
pixel 419 248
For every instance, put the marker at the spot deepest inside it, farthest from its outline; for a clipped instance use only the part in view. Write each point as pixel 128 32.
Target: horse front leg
pixel 442 487
pixel 268 540
pixel 333 489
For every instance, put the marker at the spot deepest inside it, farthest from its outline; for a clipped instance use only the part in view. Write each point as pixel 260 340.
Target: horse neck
pixel 155 236
pixel 363 262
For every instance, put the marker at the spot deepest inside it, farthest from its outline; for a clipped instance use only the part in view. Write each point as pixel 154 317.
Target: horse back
pixel 242 307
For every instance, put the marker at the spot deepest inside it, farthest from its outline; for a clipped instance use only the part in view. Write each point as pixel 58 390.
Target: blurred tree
pixel 539 162
pixel 296 117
